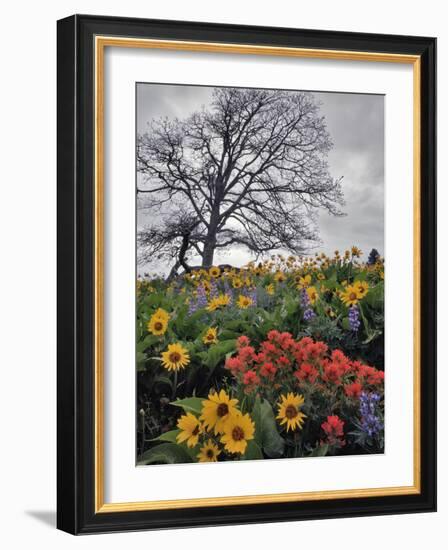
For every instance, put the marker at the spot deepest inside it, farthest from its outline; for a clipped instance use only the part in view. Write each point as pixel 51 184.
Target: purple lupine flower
pixel 308 313
pixel 304 299
pixel 253 296
pixel 192 306
pixel 353 318
pixel 200 302
pixel 213 290
pixel 201 298
pixel 227 288
pixel 370 423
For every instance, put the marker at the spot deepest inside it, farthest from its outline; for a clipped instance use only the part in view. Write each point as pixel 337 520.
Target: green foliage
pixel 166 453
pixel 253 451
pixel 191 404
pixel 266 432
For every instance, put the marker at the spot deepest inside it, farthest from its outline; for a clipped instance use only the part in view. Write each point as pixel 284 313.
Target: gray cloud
pixel 356 126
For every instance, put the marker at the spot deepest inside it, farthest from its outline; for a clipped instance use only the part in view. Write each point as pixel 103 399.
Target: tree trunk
pixel 183 252
pixel 209 252
pixel 173 272
pixel 210 242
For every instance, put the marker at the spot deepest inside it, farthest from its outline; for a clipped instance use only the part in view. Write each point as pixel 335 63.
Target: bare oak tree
pixel 249 170
pixel 172 241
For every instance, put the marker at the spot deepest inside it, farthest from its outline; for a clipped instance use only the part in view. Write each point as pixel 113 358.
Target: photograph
pixel 260 269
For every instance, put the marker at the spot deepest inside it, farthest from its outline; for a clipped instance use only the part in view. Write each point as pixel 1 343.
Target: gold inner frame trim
pixel 101 42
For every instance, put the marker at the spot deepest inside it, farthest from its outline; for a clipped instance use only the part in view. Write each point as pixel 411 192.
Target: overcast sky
pixel 355 123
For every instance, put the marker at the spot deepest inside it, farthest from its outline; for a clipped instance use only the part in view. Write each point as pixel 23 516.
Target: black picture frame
pixel 76 272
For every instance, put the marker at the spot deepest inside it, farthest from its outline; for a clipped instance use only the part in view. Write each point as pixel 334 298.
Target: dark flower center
pixel 237 433
pixel 210 453
pixel 352 296
pixel 175 357
pixel 158 325
pixel 291 411
pixel 222 409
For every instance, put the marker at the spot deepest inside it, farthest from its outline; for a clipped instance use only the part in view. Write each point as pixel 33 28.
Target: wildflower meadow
pixel 278 359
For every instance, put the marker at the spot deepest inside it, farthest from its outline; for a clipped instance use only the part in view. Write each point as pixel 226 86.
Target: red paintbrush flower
pixel 353 390
pixel 334 430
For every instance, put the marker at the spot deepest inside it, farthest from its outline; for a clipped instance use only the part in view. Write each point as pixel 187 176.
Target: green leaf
pixel 166 453
pixel 320 450
pixel 253 451
pixel 372 335
pixel 266 432
pixel 163 381
pixel 218 352
pixel 227 334
pixel 235 324
pixel 168 436
pixel 152 301
pixel 190 404
pixel 150 340
pixel 375 296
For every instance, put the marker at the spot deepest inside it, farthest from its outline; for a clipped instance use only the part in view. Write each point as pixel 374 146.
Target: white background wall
pixel 27 256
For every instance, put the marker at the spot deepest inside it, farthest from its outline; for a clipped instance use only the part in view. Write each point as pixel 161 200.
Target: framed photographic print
pixel 246 267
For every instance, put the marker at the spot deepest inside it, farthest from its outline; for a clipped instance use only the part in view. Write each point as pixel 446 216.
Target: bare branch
pixel 251 170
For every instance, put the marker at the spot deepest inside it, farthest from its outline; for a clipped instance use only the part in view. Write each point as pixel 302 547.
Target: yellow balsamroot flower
pixel 312 294
pixel 304 281
pixel 237 282
pixel 356 252
pixel 237 432
pixel 157 325
pixel 190 429
pixel 289 411
pixel 321 277
pixel 211 336
pixel 363 288
pixel 144 285
pixel 244 302
pixel 206 285
pixel 330 312
pixel 280 277
pixel 217 410
pixel 162 314
pixel 175 358
pixel 270 289
pixel 220 301
pixel 247 281
pixel 350 296
pixel 214 272
pixel 209 453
